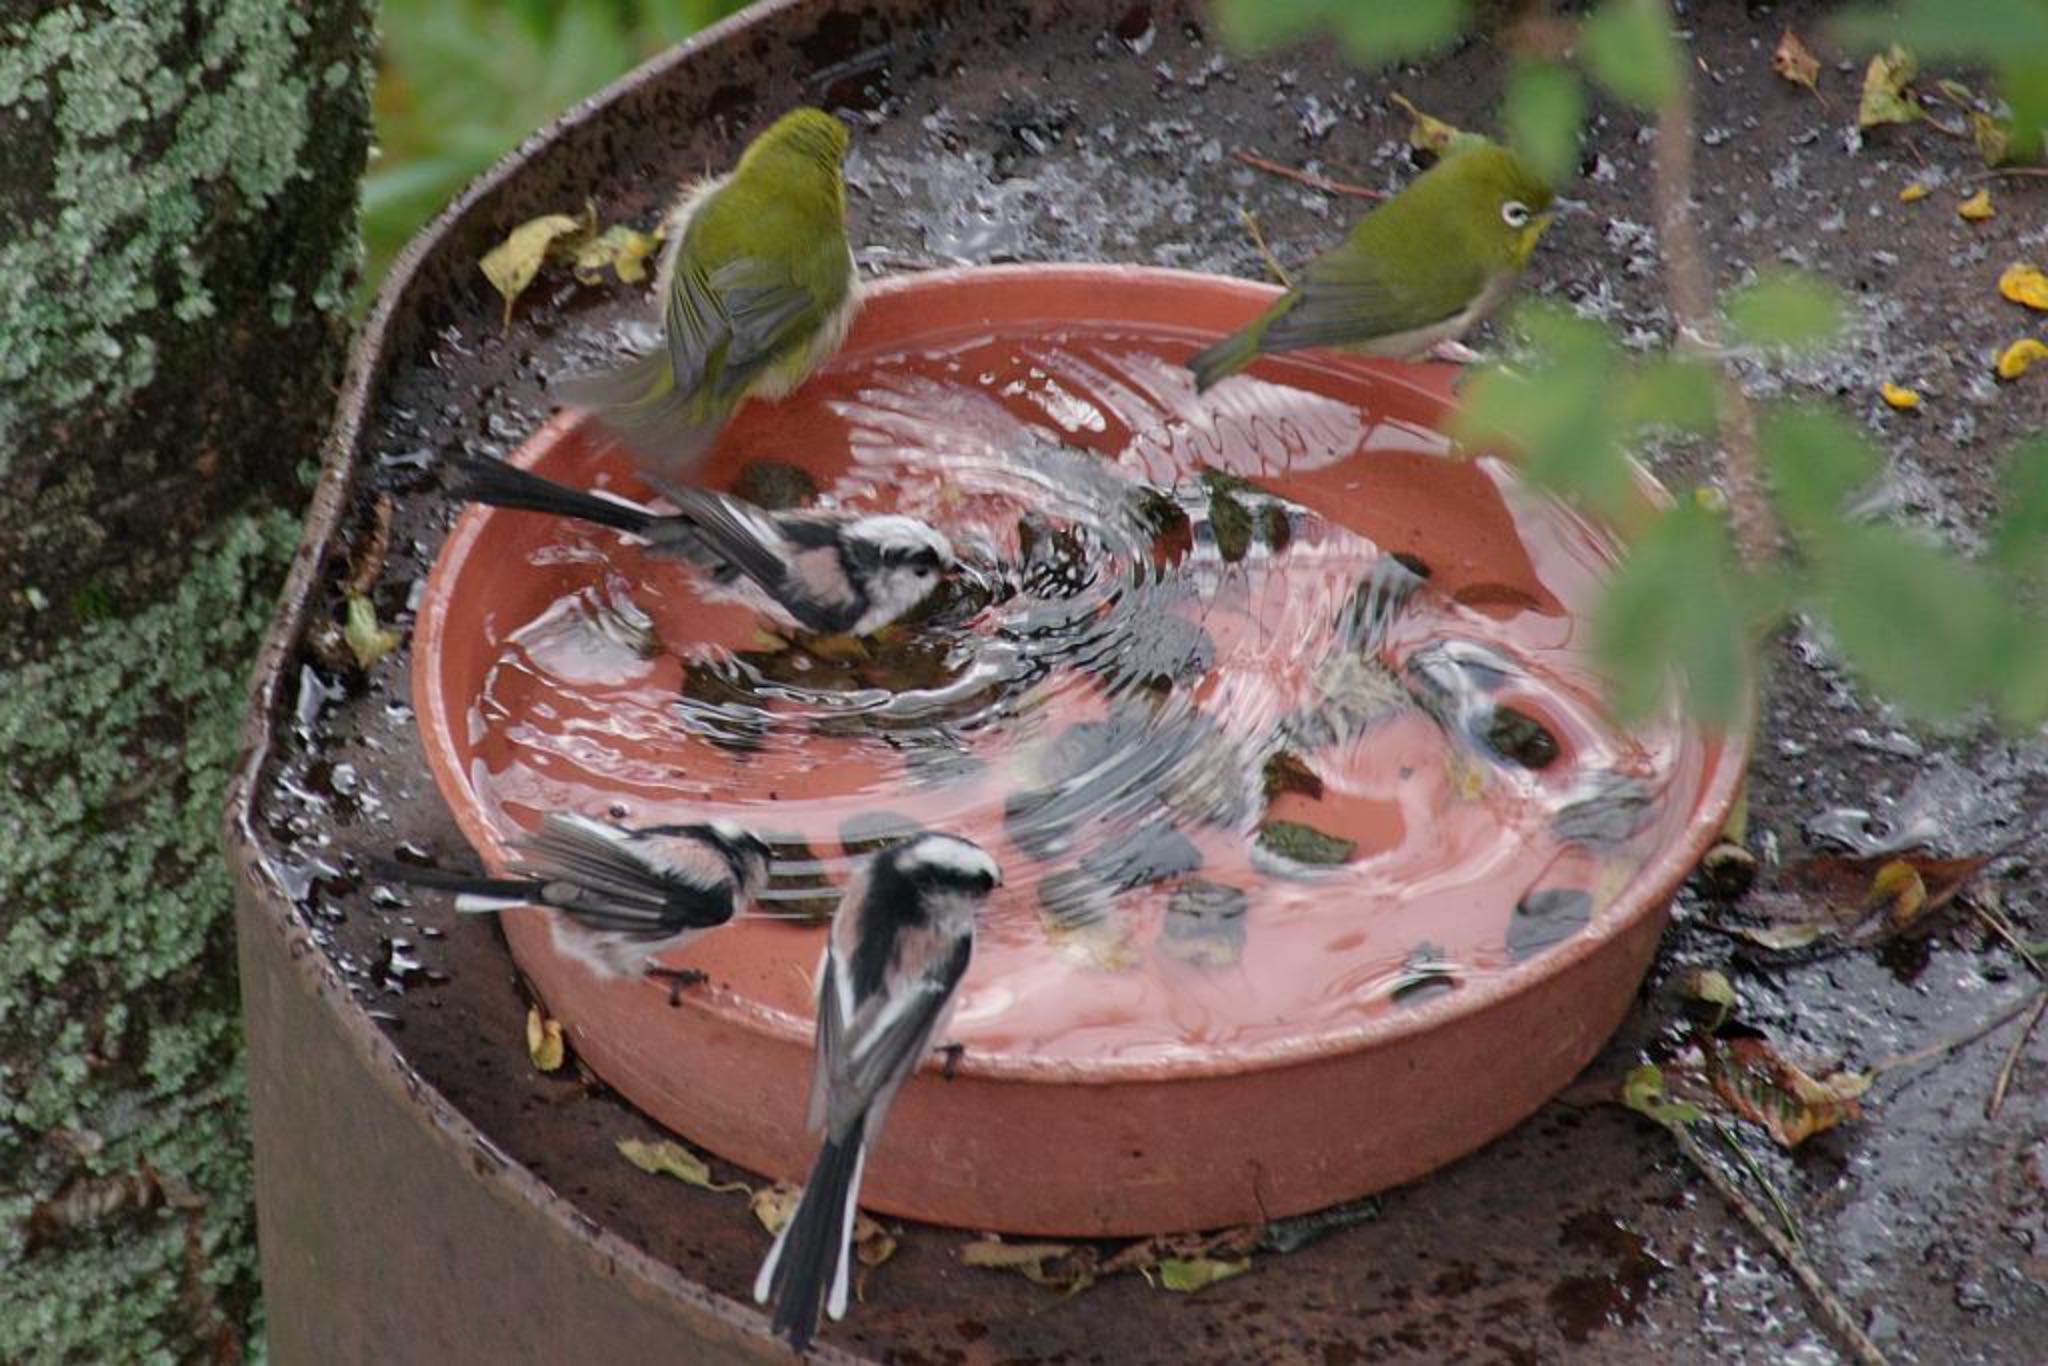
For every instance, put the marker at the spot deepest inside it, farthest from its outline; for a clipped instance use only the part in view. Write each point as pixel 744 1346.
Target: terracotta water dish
pixel 1332 1030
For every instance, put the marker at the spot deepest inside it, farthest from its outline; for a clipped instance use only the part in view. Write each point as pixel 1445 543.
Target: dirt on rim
pixel 1108 132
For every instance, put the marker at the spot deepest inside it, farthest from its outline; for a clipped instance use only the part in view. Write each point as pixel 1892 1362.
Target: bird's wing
pixel 734 532
pixel 890 1035
pixel 1357 299
pixel 608 881
pixel 728 324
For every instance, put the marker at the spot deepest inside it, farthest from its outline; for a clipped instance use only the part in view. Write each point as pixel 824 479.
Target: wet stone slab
pixel 1044 132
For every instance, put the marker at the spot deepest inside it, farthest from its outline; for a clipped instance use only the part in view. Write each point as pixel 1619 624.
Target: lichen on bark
pixel 178 188
pixel 178 184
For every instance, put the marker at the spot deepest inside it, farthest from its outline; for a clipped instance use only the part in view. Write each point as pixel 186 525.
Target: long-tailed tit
pixel 898 949
pixel 831 575
pixel 623 894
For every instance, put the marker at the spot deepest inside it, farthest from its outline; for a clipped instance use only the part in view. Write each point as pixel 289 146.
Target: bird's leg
pixel 1455 352
pixel 951 1065
pixel 679 980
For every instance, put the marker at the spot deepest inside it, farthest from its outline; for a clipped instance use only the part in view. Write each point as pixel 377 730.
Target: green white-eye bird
pixel 757 288
pixel 1415 273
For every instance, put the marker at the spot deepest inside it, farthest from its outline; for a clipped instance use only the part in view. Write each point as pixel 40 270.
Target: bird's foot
pixel 951 1065
pixel 1454 352
pixel 679 980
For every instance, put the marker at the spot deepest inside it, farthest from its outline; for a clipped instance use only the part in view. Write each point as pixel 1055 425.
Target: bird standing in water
pixel 622 894
pixel 757 288
pixel 1417 272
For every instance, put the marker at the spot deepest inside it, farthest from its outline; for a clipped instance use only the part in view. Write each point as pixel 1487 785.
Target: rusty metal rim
pixel 643 1276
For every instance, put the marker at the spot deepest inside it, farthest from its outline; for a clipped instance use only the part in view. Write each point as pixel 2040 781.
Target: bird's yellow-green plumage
pixel 1418 270
pixel 757 288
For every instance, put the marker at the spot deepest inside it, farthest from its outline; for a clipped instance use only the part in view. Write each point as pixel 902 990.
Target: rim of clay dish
pixel 1648 891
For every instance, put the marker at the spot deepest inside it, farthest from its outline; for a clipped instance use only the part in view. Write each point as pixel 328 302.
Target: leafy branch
pixel 1707 579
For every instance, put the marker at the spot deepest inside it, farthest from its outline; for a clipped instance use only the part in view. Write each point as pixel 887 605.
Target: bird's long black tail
pixel 482 480
pixel 473 891
pixel 808 1262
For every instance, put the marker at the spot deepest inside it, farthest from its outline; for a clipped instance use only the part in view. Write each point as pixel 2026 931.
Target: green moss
pixel 144 154
pixel 119 1033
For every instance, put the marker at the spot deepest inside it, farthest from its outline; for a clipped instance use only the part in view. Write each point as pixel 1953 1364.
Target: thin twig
pixel 2004 1017
pixel 2004 930
pixel 2031 172
pixel 1756 1174
pixel 1756 530
pixel 1251 225
pixel 1308 178
pixel 1832 1310
pixel 2012 1058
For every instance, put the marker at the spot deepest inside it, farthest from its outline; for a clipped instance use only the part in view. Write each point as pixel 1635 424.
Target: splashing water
pixel 1277 715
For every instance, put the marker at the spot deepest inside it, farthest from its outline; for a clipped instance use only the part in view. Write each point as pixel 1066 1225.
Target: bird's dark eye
pixel 1515 214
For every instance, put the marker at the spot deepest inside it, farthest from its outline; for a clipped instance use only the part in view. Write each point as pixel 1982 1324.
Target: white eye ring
pixel 1515 214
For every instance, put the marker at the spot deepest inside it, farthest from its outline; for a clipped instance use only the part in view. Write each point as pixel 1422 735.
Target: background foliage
pixel 1781 533
pixel 460 82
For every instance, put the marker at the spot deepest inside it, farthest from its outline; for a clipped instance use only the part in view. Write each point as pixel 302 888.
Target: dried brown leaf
pixel 1792 60
pixel 1779 1097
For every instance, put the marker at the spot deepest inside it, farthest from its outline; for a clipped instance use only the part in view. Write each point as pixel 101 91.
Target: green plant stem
pixel 1756 529
pixel 1832 1311
pixel 1756 1174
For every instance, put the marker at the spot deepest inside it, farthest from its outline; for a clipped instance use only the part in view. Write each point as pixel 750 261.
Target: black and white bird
pixel 893 963
pixel 829 575
pixel 623 894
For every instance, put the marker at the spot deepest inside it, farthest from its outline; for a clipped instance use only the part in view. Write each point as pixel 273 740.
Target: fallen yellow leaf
pixel 622 248
pixel 1913 193
pixel 1899 396
pixel 1884 90
pixel 544 1041
pixel 511 265
pixel 665 1157
pixel 1977 207
pixel 2025 284
pixel 1426 132
pixel 2014 360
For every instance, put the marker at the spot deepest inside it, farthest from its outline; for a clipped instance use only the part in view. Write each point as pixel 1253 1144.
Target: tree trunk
pixel 178 187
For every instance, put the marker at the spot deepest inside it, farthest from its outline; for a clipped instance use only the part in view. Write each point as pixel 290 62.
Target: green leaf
pixel 1543 108
pixel 1556 410
pixel 2019 544
pixel 1188 1275
pixel 1815 459
pixel 1786 308
pixel 1884 90
pixel 367 641
pixel 1643 1092
pixel 1679 603
pixel 1373 31
pixel 1629 48
pixel 1670 392
pixel 1915 621
pixel 1304 843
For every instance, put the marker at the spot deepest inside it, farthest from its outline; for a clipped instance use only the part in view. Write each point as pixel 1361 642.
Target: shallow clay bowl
pixel 1032 1141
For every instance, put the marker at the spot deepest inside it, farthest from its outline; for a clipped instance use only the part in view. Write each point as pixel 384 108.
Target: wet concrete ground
pixel 1024 133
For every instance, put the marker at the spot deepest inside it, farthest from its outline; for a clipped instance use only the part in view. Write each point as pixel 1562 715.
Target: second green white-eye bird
pixel 1418 271
pixel 757 287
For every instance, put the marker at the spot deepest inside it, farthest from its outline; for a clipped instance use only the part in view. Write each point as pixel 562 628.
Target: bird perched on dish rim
pixel 893 963
pixel 757 288
pixel 621 894
pixel 1417 272
pixel 827 573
